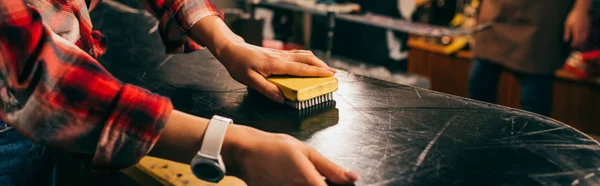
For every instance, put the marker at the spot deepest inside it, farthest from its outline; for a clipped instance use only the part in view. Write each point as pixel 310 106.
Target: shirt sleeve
pixel 176 18
pixel 57 95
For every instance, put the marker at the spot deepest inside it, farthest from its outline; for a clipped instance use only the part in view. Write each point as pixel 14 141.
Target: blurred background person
pixel 531 38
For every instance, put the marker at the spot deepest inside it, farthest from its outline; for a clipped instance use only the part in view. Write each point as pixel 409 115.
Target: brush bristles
pixel 319 108
pixel 311 102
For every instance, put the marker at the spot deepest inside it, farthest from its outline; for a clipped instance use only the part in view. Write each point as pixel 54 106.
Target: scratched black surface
pixel 390 134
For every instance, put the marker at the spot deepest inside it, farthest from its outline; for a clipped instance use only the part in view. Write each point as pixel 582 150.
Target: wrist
pixel 215 35
pixel 224 51
pixel 581 6
pixel 582 11
pixel 233 147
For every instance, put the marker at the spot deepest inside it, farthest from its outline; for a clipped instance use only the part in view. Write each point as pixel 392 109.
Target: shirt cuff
pixel 179 19
pixel 132 128
pixel 188 12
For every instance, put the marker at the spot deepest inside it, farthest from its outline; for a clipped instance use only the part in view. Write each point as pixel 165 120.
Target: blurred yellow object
pixel 457 20
pixel 170 173
pixel 475 3
pixel 457 44
pixel 421 2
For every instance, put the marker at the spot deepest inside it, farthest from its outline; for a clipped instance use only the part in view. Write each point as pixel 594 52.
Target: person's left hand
pixel 577 28
pixel 251 64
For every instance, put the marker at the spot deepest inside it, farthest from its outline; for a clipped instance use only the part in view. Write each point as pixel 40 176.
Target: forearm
pixel 214 34
pixel 182 137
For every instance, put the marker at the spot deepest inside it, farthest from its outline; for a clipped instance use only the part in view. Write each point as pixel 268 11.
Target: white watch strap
pixel 214 135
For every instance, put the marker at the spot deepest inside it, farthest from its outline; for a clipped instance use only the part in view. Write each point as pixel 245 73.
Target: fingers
pixel 584 36
pixel 260 84
pixel 575 38
pixel 305 56
pixel 299 69
pixel 567 33
pixel 311 174
pixel 576 31
pixel 330 170
pixel 581 36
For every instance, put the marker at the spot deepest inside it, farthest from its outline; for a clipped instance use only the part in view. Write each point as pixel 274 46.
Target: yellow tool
pixel 304 92
pixel 170 173
pixel 457 44
pixel 457 20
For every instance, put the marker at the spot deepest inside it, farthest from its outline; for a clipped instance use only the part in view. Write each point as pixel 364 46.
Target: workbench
pixel 576 100
pixel 390 134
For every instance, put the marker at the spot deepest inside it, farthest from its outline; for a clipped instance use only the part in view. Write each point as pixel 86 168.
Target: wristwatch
pixel 208 165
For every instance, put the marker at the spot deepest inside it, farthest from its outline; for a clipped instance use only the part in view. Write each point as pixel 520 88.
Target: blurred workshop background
pixel 366 37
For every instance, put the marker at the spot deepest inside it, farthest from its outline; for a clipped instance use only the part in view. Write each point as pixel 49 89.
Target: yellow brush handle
pixel 304 88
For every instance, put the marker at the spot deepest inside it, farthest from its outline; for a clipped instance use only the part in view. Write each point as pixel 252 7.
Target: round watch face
pixel 208 171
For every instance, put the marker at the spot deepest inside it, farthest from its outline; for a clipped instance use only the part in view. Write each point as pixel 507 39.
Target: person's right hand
pixel 261 158
pixel 251 65
pixel 577 27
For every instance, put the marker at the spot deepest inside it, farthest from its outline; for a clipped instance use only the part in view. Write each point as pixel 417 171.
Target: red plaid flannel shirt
pixel 54 91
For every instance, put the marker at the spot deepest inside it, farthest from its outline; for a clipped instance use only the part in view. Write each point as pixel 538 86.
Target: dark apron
pixel 527 35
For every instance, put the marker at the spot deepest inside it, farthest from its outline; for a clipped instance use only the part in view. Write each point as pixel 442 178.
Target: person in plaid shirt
pixel 54 93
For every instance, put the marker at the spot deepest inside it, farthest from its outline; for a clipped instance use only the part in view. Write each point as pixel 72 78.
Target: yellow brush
pixel 304 92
